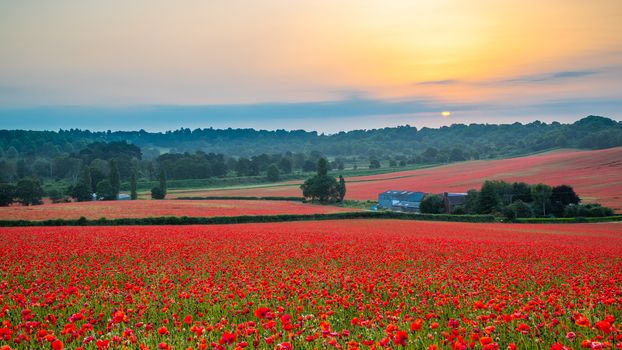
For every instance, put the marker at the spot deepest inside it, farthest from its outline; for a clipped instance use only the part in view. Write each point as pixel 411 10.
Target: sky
pixel 318 65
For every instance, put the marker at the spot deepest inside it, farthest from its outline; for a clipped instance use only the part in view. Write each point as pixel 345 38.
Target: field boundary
pixel 221 220
pixel 249 198
pixel 568 220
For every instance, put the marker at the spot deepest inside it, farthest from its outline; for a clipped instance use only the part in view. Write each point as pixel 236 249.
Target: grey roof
pixel 404 195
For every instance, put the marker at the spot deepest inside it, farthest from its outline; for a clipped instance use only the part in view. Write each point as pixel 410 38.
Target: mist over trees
pixel 204 153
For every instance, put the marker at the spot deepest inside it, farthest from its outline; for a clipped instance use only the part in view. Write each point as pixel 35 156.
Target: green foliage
pixel 562 196
pixel 521 191
pixel 322 167
pixel 341 188
pixel 133 193
pixel 55 195
pixel 518 209
pixel 28 191
pixel 541 195
pixel 488 199
pixel 471 201
pixel 321 187
pixel 106 191
pixel 587 210
pixel 432 204
pixel 162 183
pixel 83 190
pixel 374 164
pixel 7 194
pixel 114 180
pixel 273 174
pixel 157 193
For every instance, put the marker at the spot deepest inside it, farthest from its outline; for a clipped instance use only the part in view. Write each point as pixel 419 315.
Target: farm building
pixel 453 200
pixel 400 200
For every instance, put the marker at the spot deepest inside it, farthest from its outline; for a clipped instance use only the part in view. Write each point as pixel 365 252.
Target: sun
pixel 445 113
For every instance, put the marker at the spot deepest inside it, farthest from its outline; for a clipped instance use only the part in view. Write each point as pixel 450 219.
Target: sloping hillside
pixel 595 175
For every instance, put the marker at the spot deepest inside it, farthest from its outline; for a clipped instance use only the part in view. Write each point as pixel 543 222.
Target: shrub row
pixel 568 220
pixel 275 198
pixel 184 220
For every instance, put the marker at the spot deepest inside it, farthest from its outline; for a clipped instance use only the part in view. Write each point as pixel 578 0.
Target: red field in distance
pixel 309 285
pixel 152 208
pixel 595 175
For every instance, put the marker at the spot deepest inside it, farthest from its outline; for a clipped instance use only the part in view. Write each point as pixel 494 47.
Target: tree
pixel 272 173
pixel 157 193
pixel 29 192
pixel 21 169
pixel 488 199
pixel 322 167
pixel 518 209
pixel 561 196
pixel 321 186
pixel 541 195
pixel 162 180
pixel 12 153
pixel 471 201
pixel 83 190
pixel 115 180
pixel 133 193
pixel 309 165
pixel 521 191
pixel 105 191
pixel 285 164
pixel 7 194
pixel 432 204
pixel 341 188
pixel 374 164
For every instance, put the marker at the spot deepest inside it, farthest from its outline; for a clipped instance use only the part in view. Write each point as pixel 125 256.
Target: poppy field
pixel 350 284
pixel 152 208
pixel 595 175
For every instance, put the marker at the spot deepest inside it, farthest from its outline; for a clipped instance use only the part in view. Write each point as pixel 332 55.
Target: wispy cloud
pixel 550 76
pixel 439 82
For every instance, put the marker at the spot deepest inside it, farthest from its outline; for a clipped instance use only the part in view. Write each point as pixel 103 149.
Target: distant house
pixel 123 197
pixel 453 200
pixel 400 200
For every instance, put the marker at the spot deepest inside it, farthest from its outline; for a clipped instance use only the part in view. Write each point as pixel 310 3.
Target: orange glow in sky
pixel 194 52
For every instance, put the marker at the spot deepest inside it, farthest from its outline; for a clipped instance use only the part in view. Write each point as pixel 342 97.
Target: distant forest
pixel 204 153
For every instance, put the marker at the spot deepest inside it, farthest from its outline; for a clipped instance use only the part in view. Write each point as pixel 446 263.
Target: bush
pixel 459 210
pixel 7 194
pixel 105 191
pixel 587 210
pixel 432 204
pixel 55 196
pixel 518 209
pixel 157 193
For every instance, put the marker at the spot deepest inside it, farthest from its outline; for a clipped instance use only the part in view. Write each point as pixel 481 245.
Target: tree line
pixel 445 144
pixel 519 200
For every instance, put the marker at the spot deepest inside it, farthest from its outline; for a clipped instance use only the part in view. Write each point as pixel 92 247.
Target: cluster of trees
pixel 323 187
pixel 520 200
pixel 104 188
pixel 27 191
